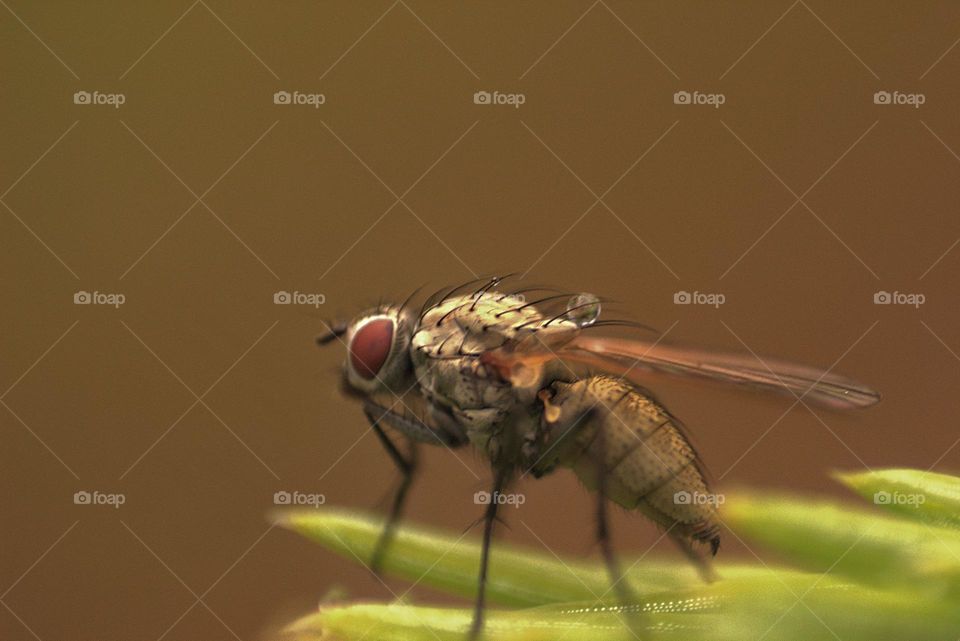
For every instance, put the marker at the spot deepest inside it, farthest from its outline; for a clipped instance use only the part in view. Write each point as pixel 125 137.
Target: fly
pixel 502 373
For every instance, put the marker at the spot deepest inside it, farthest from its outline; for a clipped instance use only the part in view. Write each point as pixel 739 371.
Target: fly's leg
pixel 408 467
pixel 415 430
pixel 706 570
pixel 442 430
pixel 606 542
pixel 489 517
pixel 617 583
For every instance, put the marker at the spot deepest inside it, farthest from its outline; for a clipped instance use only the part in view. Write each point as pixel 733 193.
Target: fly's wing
pixel 824 388
pixel 631 357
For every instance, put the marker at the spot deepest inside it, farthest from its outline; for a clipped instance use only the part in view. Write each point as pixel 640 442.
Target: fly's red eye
pixel 370 347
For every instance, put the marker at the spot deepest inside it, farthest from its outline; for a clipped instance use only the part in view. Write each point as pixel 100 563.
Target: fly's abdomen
pixel 602 425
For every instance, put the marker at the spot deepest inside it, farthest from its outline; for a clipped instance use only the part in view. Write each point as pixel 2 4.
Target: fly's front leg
pixel 408 467
pixel 415 430
pixel 489 517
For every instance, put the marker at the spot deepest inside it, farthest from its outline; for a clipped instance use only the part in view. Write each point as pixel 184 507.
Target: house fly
pixel 506 375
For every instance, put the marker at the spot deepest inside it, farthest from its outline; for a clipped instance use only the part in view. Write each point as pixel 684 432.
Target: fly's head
pixel 378 354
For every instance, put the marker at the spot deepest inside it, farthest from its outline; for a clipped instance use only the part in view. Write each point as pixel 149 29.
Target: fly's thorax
pixel 449 340
pixel 472 324
pixel 476 326
pixel 451 349
pixel 447 350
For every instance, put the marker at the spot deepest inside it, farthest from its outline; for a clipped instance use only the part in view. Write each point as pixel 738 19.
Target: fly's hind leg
pixel 617 580
pixel 703 566
pixel 414 430
pixel 574 433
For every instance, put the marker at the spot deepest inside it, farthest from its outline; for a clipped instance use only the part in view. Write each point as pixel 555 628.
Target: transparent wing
pixel 809 383
pixel 633 357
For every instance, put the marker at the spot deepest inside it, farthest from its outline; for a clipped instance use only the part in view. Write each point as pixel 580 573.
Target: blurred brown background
pixel 199 198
